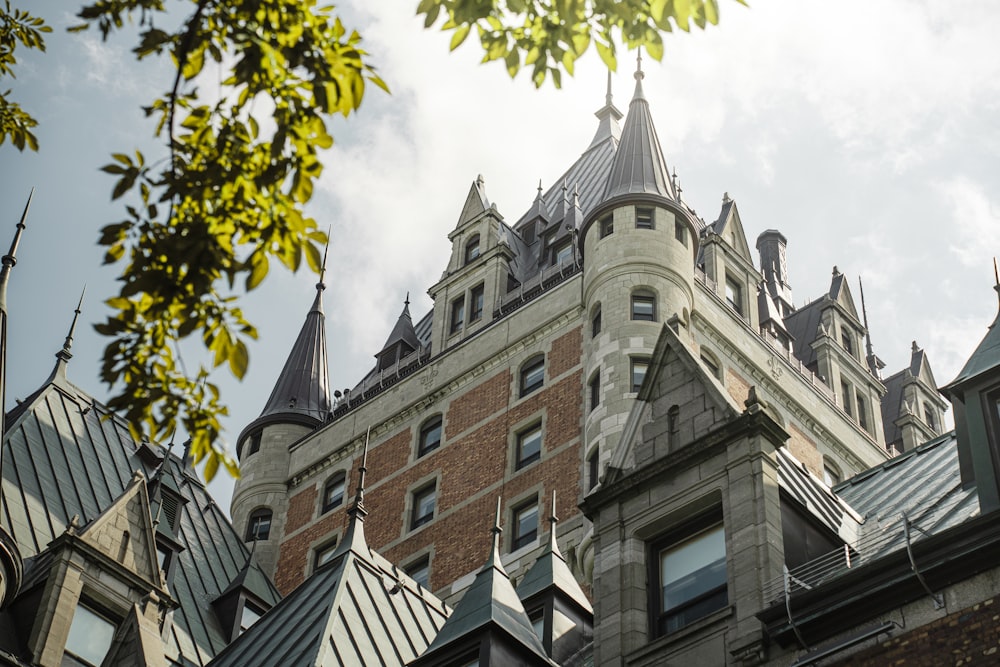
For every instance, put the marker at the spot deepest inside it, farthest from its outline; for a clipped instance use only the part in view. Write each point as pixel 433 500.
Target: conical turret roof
pixel 639 167
pixel 403 332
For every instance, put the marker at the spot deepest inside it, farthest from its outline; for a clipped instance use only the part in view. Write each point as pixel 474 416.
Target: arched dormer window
pixel 532 375
pixel 472 248
pixel 258 525
pixel 333 491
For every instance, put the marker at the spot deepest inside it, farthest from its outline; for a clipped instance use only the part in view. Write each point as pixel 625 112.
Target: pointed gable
pixel 729 226
pixel 302 391
pixel 639 167
pixel 840 292
pixel 402 339
pixel 476 202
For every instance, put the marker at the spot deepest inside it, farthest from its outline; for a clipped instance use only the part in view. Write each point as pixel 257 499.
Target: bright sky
pixel 865 132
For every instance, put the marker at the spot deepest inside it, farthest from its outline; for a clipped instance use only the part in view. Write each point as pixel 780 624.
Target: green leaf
pixel 239 358
pixel 460 34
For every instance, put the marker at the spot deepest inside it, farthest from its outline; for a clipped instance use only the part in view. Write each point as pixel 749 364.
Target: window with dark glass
pixel 254 442
pixel 595 390
pixel 420 571
pixel 532 375
pixel 90 635
pixel 845 394
pixel 607 226
pixel 643 307
pixel 529 446
pixel 525 524
pixel 595 323
pixel 680 233
pixel 639 367
pixel 325 553
pixel 424 502
pixel 251 614
pixel 592 468
pixel 528 233
pixel 734 295
pixel 259 525
pixel 476 298
pixel 430 436
pixel 333 492
pixel 929 416
pixel 457 314
pixel 711 365
pixel 689 568
pixel 643 218
pixel 862 412
pixel 563 252
pixel 472 248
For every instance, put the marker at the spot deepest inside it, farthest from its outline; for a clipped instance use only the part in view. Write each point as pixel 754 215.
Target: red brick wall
pixel 473 458
pixel 967 637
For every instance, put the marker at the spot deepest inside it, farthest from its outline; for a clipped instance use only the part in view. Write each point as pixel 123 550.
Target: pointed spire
pixel 495 531
pixel 553 520
pixel 354 540
pixel 608 115
pixel 539 211
pixel 639 167
pixel 64 355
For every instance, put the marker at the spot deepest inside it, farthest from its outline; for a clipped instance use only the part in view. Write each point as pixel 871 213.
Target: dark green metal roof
pixel 65 454
pixel 985 358
pixel 551 571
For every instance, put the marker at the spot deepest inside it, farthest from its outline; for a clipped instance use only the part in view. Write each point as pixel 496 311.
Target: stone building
pixel 736 481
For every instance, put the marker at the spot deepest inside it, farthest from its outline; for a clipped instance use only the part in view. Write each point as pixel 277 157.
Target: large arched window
pixel 472 248
pixel 333 492
pixel 532 375
pixel 259 524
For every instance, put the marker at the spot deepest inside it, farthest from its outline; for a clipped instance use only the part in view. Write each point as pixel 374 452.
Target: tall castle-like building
pixel 614 440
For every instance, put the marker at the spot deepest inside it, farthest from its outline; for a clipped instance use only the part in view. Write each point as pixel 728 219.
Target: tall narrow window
pixel 430 436
pixel 90 636
pixel 595 323
pixel 845 397
pixel 424 502
pixel 525 524
pixel 734 295
pixel 862 411
pixel 607 226
pixel 457 314
pixel 643 218
pixel 593 461
pixel 476 298
pixel 529 446
pixel 639 367
pixel 644 307
pixel 595 390
pixel 680 233
pixel 532 375
pixel 472 248
pixel 690 571
pixel 333 492
pixel 259 525
pixel 325 553
pixel 420 571
pixel 929 416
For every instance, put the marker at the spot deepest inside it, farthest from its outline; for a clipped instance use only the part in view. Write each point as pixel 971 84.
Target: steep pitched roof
pixel 65 454
pixel 303 386
pixel 358 609
pixel 986 356
pixel 490 603
pixel 403 331
pixel 639 167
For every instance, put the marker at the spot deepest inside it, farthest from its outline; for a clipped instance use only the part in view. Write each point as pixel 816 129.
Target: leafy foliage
pixel 550 35
pixel 17 27
pixel 226 202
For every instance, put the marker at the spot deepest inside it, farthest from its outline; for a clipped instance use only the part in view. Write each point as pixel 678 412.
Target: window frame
pixel 642 297
pixel 477 302
pixel 558 249
pixel 595 322
pixel 328 505
pixel 421 563
pixel 607 226
pixel 326 549
pixel 645 217
pixel 253 529
pixel 520 460
pixel 529 368
pixel 674 541
pixel 457 315
pixel 735 299
pixel 99 613
pixel 418 495
pixel 472 250
pixel 434 422
pixel 680 232
pixel 594 387
pixel 593 467
pixel 634 362
pixel 519 540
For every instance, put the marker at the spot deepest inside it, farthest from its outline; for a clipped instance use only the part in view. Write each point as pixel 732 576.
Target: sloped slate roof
pixel 816 497
pixel 892 404
pixel 801 326
pixel 986 356
pixel 64 454
pixel 551 571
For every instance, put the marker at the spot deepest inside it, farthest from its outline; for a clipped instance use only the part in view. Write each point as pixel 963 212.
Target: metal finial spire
pixel 638 65
pixel 539 187
pixel 553 520
pixel 321 285
pixel 496 531
pixel 996 278
pixel 406 302
pixel 64 354
pixel 607 95
pixel 359 497
pixel 10 259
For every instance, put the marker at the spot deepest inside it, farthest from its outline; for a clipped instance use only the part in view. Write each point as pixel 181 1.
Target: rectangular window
pixel 607 226
pixel 845 398
pixel 90 635
pixel 476 297
pixel 847 340
pixel 680 233
pixel 643 308
pixel 643 218
pixel 595 324
pixel 333 492
pixel 734 295
pixel 424 502
pixel 532 376
pixel 595 391
pixel 525 525
pixel 592 468
pixel 325 553
pixel 862 412
pixel 420 571
pixel 529 446
pixel 528 233
pixel 457 314
pixel 563 253
pixel 690 571
pixel 639 367
pixel 430 437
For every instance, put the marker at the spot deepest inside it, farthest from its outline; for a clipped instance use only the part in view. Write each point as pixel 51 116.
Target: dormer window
pixel 734 294
pixel 562 252
pixel 251 614
pixel 929 416
pixel 847 340
pixel 90 636
pixel 472 249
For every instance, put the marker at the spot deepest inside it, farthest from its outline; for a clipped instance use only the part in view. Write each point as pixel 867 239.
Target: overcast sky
pixel 866 132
